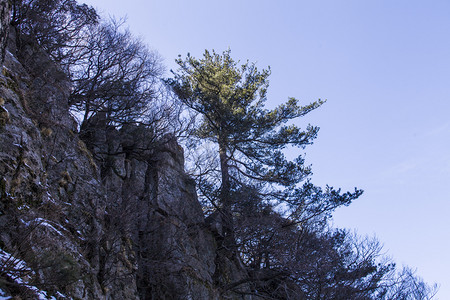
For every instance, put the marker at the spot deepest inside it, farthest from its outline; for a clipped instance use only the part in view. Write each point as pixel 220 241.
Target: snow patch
pixel 46 223
pixel 3 295
pixel 18 271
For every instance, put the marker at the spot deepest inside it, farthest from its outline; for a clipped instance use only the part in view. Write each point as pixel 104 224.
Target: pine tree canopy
pixel 231 98
pixel 251 140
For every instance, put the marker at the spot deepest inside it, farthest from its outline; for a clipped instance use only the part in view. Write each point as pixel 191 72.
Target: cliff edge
pixel 122 224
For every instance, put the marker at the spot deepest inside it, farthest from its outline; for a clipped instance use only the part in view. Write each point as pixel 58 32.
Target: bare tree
pixel 54 24
pixel 113 74
pixel 404 284
pixel 308 260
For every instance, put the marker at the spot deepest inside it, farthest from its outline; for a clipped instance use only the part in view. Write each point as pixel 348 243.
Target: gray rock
pixel 113 218
pixel 5 8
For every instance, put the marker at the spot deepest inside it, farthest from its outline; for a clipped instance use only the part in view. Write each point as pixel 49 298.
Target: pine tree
pixel 250 139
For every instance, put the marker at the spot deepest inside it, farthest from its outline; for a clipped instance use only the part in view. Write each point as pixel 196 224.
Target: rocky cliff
pixel 111 215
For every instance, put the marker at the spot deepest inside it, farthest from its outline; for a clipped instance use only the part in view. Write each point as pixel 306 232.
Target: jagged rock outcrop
pixel 113 218
pixel 51 197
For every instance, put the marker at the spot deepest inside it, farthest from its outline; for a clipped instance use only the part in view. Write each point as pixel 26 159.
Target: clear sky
pixel 383 66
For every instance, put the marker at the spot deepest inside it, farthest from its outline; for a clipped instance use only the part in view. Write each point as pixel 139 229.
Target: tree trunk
pixel 225 188
pixel 225 198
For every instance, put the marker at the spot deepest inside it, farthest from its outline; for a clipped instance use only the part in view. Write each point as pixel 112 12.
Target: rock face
pixel 113 218
pixel 5 8
pixel 52 201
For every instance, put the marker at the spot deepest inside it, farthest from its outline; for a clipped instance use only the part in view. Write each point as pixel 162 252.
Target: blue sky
pixel 384 68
